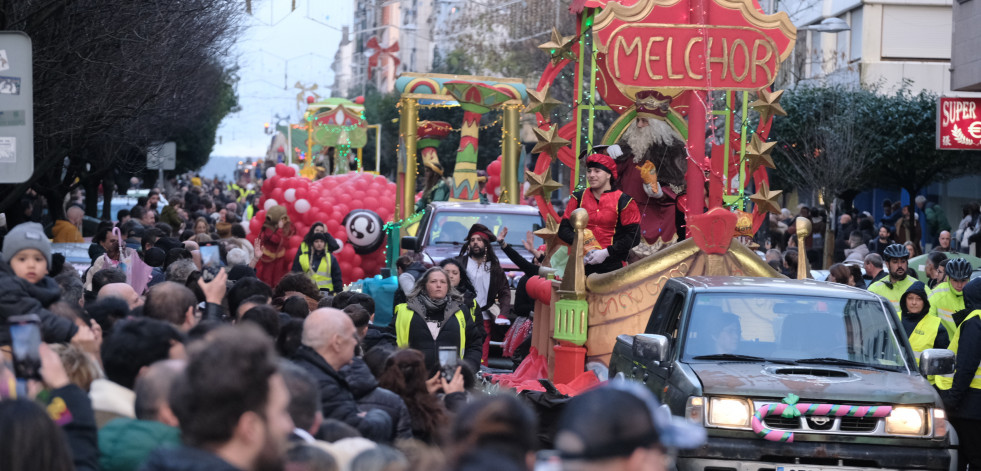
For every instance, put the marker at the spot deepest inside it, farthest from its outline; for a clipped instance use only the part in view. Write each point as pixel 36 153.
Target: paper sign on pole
pixel 16 107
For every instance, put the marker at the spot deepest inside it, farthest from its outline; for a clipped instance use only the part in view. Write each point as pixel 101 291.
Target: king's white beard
pixel 640 140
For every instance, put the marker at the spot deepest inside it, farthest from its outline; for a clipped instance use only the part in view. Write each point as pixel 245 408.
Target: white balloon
pixel 269 204
pixel 301 205
pixel 270 172
pixel 290 195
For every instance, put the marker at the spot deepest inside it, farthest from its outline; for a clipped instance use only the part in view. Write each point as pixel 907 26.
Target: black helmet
pixel 895 251
pixel 959 269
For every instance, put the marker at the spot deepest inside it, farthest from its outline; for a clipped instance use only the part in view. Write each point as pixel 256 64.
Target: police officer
pixel 961 391
pixel 897 257
pixel 948 297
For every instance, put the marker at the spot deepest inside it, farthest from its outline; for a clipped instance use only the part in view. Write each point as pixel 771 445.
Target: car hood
pixel 814 383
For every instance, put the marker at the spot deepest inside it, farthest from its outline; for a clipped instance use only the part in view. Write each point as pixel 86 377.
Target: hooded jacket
pixel 19 296
pixel 124 444
pixel 910 320
pixel 365 388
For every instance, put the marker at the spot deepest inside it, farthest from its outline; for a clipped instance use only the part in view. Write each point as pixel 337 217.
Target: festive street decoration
pixel 768 104
pixel 541 184
pixel 549 141
pixel 559 47
pixel 475 99
pixel 766 199
pixel 789 408
pixel 758 154
pixel 379 53
pixel 541 102
pixel 430 133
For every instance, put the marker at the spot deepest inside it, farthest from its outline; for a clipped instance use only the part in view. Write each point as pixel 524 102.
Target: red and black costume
pixel 614 219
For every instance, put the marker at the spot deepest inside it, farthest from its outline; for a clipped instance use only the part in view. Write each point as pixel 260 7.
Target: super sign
pixel 732 46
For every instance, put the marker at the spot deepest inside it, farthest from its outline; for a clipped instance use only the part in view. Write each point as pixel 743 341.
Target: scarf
pixel 432 309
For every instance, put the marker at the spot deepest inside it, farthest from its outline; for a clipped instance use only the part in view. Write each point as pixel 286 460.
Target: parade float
pixel 702 69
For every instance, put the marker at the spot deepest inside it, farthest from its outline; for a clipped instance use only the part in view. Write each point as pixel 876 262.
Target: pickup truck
pixel 790 375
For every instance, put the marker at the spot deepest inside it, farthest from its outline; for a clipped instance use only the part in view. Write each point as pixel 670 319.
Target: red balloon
pixel 281 170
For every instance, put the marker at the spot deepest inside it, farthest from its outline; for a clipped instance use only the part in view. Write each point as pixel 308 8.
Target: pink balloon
pixel 281 169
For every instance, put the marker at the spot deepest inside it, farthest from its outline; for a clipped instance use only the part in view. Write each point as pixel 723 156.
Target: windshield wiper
pixel 843 362
pixel 738 357
pixel 449 242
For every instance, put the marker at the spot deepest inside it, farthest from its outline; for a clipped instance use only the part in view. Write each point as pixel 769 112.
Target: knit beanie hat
pixel 29 235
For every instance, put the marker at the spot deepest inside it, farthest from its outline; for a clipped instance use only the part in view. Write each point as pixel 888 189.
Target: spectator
pixel 30 440
pixel 251 302
pixel 72 290
pixel 879 244
pixel 121 291
pixel 594 436
pixel 125 443
pixel 329 339
pixel 232 405
pixel 296 284
pixel 874 268
pixel 310 458
pixel 69 229
pixel 839 273
pixel 133 345
pixel 172 303
pixel 405 374
pixel 857 250
pixel 245 288
pixel 433 317
pixel 933 273
pixel 26 288
pixel 379 458
pixel 369 395
pixel 296 307
pixel 265 317
pixel 408 269
pixel 180 270
pixel 81 367
pixel 909 228
pixel 501 426
pixel 304 407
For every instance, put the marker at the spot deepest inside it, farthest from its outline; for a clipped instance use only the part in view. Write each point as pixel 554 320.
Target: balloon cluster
pixel 353 207
pixel 493 187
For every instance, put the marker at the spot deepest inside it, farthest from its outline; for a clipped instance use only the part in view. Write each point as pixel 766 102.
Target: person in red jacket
pixel 613 216
pixel 274 241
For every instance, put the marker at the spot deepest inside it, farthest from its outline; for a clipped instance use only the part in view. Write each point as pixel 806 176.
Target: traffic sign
pixel 16 107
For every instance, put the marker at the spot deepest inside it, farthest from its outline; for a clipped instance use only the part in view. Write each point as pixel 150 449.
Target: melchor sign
pixel 676 56
pixel 729 45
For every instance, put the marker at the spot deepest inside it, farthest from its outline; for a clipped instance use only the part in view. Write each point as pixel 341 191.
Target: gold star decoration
pixel 768 103
pixel 758 153
pixel 560 47
pixel 549 141
pixel 541 184
pixel 549 233
pixel 541 102
pixel 766 200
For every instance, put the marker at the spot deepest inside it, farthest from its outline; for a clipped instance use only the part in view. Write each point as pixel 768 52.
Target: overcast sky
pixel 279 49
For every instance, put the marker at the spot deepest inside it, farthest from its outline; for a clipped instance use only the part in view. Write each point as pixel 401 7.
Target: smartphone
pixel 25 337
pixel 448 360
pixel 210 262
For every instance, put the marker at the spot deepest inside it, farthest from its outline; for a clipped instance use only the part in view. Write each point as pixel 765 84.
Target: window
pixel 855 46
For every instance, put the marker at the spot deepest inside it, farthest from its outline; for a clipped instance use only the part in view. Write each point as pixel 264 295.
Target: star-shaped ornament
pixel 549 233
pixel 541 184
pixel 768 104
pixel 560 47
pixel 758 154
pixel 766 200
pixel 541 102
pixel 549 141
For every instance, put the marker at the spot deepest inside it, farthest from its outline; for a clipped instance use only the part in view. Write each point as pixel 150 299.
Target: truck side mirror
pixel 937 361
pixel 650 347
pixel 410 243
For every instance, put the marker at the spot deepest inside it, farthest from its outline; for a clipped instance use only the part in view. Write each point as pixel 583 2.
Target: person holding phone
pixel 26 288
pixel 433 316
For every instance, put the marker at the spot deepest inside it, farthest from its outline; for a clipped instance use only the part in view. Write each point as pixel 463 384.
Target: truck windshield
pixel 451 227
pixel 802 329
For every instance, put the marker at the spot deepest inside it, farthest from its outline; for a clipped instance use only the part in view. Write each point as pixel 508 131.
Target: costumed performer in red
pixel 274 240
pixel 613 217
pixel 651 164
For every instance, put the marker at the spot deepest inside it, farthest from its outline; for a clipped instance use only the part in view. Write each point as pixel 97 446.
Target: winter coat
pixel 126 443
pixel 78 423
pixel 499 291
pixel 377 336
pixel 64 231
pixel 365 388
pixel 19 296
pixel 420 338
pixel 185 459
pixel 337 400
pixel 857 254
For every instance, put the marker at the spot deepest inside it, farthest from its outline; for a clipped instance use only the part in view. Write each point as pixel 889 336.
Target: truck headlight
pixel 729 412
pixel 906 421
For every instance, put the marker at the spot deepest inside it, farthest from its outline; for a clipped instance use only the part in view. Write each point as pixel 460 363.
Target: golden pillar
pixel 408 125
pixel 510 159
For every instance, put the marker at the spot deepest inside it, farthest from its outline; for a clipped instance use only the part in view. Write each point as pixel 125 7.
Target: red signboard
pixel 959 123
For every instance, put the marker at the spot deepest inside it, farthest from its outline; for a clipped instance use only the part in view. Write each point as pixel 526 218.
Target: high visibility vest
pixel 322 275
pixel 249 212
pixel 892 291
pixel 947 381
pixel 944 302
pixel 403 319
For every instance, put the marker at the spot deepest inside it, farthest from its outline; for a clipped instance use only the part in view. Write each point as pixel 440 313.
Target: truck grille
pixel 824 425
